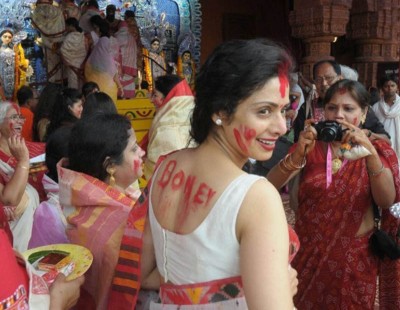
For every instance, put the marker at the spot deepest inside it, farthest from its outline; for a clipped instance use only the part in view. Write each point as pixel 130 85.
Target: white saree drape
pixel 20 216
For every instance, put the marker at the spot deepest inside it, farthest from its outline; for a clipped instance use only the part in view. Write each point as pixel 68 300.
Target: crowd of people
pixel 209 231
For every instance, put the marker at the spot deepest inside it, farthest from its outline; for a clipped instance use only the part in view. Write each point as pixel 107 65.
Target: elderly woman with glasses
pixel 17 185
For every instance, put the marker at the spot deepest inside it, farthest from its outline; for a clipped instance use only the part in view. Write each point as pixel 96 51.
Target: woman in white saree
pixel 18 197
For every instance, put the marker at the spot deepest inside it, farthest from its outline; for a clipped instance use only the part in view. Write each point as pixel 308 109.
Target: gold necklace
pixel 336 165
pixel 336 162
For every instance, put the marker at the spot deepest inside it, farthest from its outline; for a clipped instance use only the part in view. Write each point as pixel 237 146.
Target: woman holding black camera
pixel 338 183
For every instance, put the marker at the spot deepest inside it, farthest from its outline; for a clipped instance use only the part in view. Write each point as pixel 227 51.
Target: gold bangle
pixel 287 165
pixel 23 167
pixel 301 166
pixel 376 173
pixel 282 168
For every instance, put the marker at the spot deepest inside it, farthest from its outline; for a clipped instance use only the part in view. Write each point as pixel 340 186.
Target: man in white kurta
pixel 388 111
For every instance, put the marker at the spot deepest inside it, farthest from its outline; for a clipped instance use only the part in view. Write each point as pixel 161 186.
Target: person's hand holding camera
pixel 355 135
pixel 306 141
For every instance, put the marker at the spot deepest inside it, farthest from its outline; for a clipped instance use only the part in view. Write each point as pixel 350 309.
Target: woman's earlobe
pixel 219 118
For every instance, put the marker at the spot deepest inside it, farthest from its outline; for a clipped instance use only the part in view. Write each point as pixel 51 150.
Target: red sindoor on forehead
pixel 284 83
pixel 283 78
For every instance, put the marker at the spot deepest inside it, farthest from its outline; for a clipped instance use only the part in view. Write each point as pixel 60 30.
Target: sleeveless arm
pixel 264 249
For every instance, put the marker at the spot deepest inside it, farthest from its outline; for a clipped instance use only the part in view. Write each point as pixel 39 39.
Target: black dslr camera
pixel 329 131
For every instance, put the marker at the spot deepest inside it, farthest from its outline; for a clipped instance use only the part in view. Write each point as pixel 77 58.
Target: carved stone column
pixel 317 23
pixel 375 30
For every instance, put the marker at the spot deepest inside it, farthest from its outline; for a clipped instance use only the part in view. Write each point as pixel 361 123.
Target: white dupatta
pixel 389 116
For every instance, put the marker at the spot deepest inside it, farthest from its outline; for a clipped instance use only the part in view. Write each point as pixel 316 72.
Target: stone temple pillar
pixel 375 31
pixel 317 23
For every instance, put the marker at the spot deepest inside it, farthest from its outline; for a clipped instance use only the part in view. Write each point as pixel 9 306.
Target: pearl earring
pixel 218 121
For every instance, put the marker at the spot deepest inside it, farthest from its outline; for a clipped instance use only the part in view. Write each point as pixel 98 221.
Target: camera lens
pixel 328 134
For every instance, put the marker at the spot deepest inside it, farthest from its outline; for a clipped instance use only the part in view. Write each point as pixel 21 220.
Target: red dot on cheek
pixel 249 133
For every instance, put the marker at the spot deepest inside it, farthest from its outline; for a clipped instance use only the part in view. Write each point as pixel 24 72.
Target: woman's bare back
pixel 186 186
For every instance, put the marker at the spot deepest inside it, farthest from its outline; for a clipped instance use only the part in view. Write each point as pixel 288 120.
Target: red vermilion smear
pixel 194 195
pixel 249 133
pixel 136 166
pixel 239 140
pixel 167 173
pixel 203 195
pixel 187 191
pixel 178 180
pixel 283 78
pixel 342 90
pixel 355 121
pixel 284 83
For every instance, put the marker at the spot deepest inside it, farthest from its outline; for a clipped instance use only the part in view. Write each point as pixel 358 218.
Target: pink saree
pixel 96 215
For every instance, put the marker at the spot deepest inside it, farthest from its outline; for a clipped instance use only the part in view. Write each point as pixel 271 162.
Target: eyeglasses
pixel 329 79
pixel 17 117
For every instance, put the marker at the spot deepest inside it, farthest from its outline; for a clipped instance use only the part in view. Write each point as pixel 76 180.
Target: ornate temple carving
pixel 374 29
pixel 317 23
pixel 371 24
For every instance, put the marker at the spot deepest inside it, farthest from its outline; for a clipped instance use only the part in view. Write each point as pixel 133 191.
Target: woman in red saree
pixel 335 216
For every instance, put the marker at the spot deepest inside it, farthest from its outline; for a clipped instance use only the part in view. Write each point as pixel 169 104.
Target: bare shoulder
pixel 261 206
pixel 262 194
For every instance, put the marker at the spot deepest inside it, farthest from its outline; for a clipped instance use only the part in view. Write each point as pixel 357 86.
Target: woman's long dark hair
pixel 231 74
pixel 61 110
pixel 96 138
pixel 44 108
